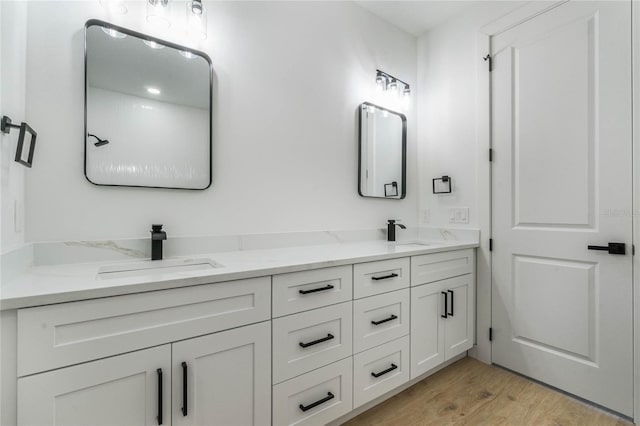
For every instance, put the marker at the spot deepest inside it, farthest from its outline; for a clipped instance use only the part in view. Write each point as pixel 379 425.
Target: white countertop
pixel 43 285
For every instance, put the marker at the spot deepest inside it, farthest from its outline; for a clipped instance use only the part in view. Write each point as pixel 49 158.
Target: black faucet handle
pixel 156 228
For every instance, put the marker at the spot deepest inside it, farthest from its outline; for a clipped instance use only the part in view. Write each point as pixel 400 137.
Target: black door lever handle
pixel 611 248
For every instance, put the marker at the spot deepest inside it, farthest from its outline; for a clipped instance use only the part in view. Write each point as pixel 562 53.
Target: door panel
pixel 122 390
pixel 561 180
pixel 228 378
pixel 427 330
pixel 459 330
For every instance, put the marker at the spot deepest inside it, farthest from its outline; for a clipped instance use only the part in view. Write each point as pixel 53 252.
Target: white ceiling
pixel 417 16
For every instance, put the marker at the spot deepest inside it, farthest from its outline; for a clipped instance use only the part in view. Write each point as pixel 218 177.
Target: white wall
pixel 288 79
pixel 142 149
pixel 447 106
pixel 13 42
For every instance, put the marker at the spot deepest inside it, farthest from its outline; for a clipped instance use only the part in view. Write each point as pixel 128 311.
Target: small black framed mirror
pixel 382 165
pixel 148 111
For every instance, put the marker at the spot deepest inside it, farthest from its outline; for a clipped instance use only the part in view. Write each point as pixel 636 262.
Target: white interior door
pixel 561 131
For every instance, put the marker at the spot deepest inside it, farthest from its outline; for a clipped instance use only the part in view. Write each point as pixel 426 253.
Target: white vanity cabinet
pixel 442 310
pixel 338 338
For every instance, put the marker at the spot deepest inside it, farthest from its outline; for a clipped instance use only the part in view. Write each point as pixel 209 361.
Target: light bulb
pixel 153 44
pixel 187 54
pixel 114 7
pixel 393 86
pixel 196 20
pixel 158 13
pixel 113 33
pixel 153 90
pixel 381 82
pixel 385 113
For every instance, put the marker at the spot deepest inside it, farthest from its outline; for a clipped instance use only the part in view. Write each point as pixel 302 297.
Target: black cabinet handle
pixel 159 417
pixel 382 373
pixel 314 290
pixel 451 293
pixel 391 318
pixel 612 248
pixel 329 397
pixel 446 309
pixel 315 342
pixel 184 389
pixel 385 277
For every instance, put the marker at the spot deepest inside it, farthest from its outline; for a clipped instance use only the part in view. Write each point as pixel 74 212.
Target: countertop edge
pixel 143 287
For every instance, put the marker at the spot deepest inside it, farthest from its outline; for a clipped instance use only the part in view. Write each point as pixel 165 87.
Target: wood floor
pixel 472 393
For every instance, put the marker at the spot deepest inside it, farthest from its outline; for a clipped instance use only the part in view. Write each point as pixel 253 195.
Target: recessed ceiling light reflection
pixel 153 44
pixel 113 33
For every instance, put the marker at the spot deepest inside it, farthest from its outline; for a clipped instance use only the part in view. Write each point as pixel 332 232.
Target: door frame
pixel 482 350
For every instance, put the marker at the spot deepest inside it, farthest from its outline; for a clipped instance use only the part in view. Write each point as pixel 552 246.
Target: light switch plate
pixel 425 216
pixel 459 215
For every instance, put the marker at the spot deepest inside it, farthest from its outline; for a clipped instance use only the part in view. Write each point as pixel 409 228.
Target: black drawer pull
pixel 329 397
pixel 314 290
pixel 184 389
pixel 385 277
pixel 383 372
pixel 451 293
pixel 315 342
pixel 612 248
pixel 446 298
pixel 159 416
pixel 391 318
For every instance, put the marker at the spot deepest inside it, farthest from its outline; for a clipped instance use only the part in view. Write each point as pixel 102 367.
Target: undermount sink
pixel 413 244
pixel 155 267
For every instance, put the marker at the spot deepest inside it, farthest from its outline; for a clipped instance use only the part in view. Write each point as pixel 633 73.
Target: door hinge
pixel 491 334
pixel 490 244
pixel 489 59
pixel 490 154
pixel 633 249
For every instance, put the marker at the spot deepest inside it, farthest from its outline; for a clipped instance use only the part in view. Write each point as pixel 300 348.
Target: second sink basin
pixel 155 267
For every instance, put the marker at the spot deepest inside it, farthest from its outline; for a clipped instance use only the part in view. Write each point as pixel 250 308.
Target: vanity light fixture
pixel 6 126
pixel 115 7
pixel 386 81
pixel 196 20
pixel 158 13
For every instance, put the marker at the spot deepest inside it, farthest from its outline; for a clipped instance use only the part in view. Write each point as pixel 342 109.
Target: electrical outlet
pixel 425 216
pixel 459 215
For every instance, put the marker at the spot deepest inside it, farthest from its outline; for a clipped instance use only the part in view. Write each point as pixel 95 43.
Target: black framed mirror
pixel 148 111
pixel 382 165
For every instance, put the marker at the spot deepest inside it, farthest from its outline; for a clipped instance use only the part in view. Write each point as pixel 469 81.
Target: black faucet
pixel 391 229
pixel 157 237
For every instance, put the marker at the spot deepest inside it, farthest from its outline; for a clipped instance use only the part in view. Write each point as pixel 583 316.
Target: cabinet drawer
pixel 439 266
pixel 309 340
pixel 315 398
pixel 69 333
pixel 380 370
pixel 380 277
pixel 303 291
pixel 379 319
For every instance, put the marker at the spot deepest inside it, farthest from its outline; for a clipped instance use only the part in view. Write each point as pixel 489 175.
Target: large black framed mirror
pixel 148 111
pixel 382 166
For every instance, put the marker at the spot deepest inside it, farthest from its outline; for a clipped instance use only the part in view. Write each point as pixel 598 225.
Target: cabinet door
pixel 427 329
pixel 228 378
pixel 459 329
pixel 123 390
